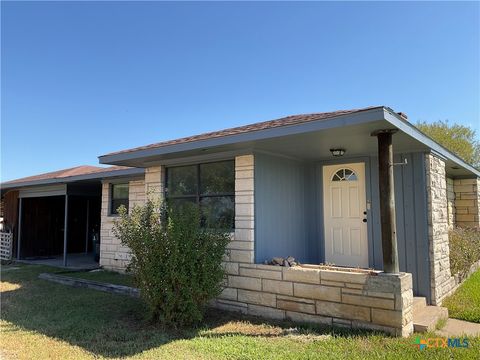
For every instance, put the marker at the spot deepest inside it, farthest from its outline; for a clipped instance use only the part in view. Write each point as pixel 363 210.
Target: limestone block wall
pixel 451 203
pixel 113 255
pixel 241 248
pixel 441 281
pixel 467 200
pixel 155 183
pixel 309 294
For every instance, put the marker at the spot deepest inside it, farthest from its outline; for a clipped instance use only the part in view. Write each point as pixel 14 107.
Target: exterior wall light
pixel 337 152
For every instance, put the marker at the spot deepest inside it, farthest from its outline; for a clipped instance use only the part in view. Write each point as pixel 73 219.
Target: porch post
pixel 19 230
pixel 65 230
pixel 86 230
pixel 387 200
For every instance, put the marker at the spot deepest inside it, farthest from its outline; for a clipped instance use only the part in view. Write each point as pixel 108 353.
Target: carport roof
pixel 77 173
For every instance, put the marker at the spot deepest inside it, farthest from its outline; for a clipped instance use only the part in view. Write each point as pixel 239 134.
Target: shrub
pixel 464 249
pixel 176 264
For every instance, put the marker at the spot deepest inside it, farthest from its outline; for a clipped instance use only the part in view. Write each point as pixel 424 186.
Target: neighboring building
pixel 308 186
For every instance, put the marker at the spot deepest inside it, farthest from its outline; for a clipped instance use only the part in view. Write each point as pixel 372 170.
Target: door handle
pixel 364 220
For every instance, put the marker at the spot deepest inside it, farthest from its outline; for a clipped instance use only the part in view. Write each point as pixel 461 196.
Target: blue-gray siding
pixel 280 208
pixel 289 212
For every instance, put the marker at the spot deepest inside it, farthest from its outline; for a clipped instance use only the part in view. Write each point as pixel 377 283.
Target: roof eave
pixel 125 158
pixel 69 179
pixel 406 127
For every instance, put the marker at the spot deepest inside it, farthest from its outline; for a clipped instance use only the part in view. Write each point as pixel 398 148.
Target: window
pixel 118 197
pixel 210 185
pixel 344 175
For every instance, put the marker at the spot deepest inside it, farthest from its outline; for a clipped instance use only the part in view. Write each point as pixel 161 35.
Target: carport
pixel 55 217
pixel 58 220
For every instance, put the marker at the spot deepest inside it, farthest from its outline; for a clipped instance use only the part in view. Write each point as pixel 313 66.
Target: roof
pixel 77 173
pixel 270 124
pixel 249 136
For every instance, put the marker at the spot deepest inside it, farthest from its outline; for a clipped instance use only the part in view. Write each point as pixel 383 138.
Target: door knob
pixel 364 220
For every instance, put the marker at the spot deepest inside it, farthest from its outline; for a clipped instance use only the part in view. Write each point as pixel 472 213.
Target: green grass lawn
pixel 41 319
pixel 465 303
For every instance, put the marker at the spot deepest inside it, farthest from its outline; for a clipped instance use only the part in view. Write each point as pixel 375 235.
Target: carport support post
pixel 86 226
pixel 387 200
pixel 65 230
pixel 19 230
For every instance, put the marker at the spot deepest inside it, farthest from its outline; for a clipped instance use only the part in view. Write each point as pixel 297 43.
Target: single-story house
pixel 360 189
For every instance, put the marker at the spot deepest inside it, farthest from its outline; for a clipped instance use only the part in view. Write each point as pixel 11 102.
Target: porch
pixel 328 211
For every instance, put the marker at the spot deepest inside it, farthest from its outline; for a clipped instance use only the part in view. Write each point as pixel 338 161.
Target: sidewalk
pixel 457 328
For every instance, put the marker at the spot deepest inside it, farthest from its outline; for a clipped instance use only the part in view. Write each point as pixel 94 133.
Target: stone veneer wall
pixel 311 295
pixel 154 183
pixel 113 255
pixel 241 248
pixel 451 203
pixel 441 281
pixel 467 201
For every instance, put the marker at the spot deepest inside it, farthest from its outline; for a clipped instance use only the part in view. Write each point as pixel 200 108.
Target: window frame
pixel 112 211
pixel 198 196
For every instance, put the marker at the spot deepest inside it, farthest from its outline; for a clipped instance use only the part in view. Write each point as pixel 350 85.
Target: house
pixel 360 189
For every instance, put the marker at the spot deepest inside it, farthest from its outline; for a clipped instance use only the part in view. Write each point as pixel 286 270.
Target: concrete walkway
pixel 457 328
pixel 74 261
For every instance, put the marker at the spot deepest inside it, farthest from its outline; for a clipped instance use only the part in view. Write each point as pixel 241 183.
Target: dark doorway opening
pixel 43 226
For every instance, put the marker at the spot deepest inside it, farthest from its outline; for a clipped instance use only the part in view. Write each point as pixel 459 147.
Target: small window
pixel 118 196
pixel 344 175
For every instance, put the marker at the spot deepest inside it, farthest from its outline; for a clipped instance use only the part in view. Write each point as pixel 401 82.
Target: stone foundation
pixel 374 301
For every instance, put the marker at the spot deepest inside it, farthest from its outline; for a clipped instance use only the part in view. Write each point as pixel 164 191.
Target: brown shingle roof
pixel 66 173
pixel 285 121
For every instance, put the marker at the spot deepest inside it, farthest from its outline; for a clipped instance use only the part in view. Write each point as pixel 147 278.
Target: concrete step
pixel 426 318
pixel 419 303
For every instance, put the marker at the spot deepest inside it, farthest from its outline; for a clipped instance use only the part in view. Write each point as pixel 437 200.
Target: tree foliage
pixel 176 263
pixel 459 139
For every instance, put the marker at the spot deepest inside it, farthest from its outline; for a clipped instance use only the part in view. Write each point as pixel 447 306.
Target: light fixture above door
pixel 337 152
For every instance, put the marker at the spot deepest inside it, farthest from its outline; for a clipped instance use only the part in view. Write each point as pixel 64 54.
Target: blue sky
pixel 83 79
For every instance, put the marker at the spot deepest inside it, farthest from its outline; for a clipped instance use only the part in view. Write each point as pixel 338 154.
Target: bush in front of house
pixel 176 263
pixel 464 249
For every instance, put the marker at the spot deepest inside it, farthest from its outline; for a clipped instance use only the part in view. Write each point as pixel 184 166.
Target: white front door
pixel 344 209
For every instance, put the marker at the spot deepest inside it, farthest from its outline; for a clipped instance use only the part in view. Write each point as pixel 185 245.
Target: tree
pixel 459 139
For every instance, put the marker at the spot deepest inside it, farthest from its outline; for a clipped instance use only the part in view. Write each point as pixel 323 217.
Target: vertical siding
pixel 410 199
pixel 289 213
pixel 282 206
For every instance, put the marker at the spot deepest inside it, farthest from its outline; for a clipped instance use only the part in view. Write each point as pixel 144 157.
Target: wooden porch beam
pixel 387 200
